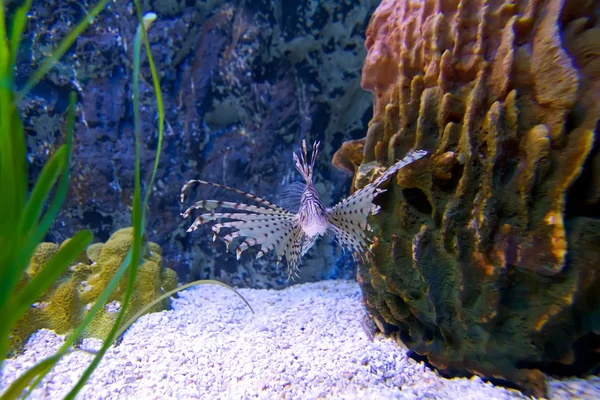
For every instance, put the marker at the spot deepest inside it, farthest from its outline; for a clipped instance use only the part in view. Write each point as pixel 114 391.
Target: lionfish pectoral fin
pixel 184 188
pixel 257 224
pixel 264 203
pixel 264 249
pixel 289 245
pixel 289 196
pixel 307 244
pixel 348 219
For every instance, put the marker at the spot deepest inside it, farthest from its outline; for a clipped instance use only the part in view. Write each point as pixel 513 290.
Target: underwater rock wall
pixel 243 83
pixel 487 253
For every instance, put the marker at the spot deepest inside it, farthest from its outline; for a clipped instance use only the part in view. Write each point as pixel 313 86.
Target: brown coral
pixel 487 253
pixel 349 157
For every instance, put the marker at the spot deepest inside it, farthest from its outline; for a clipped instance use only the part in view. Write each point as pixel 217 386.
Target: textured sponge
pixel 487 254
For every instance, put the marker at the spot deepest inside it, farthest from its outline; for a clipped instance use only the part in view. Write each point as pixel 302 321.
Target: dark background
pixel 243 83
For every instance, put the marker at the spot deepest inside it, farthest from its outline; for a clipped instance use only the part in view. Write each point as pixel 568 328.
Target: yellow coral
pixel 82 258
pixel 41 255
pixel 93 251
pixel 169 279
pixel 63 305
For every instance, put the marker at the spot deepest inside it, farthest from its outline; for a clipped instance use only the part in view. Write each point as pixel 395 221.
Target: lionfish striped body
pixel 293 234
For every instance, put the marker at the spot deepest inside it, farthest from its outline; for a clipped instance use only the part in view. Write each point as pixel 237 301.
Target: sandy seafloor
pixel 304 342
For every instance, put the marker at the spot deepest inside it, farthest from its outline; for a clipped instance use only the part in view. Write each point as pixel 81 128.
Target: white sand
pixel 304 342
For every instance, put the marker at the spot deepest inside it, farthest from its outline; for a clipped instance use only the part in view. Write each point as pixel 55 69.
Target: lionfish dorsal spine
pixel 303 164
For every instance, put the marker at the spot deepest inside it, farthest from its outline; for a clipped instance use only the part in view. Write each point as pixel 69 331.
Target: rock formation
pixel 487 254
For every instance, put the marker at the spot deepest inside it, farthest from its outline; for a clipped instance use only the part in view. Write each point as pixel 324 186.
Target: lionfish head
pixel 312 214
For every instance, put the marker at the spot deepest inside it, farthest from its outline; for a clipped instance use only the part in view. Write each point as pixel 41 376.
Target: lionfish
pixel 293 233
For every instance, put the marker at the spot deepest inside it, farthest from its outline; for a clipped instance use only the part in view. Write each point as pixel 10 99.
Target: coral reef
pixel 487 254
pixel 63 305
pixel 243 83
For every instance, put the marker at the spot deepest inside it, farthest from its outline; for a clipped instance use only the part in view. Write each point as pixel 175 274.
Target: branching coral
pixel 63 305
pixel 487 254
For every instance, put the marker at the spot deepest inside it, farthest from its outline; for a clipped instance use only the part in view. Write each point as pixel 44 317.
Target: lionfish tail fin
pixel 348 219
pixel 305 166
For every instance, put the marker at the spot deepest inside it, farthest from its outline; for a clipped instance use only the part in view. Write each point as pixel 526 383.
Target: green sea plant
pixel 25 223
pixel 26 219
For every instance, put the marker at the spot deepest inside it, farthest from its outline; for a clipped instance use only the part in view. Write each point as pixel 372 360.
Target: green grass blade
pixel 17 387
pixel 159 101
pixel 13 169
pixel 148 306
pixel 19 19
pixel 32 234
pixel 18 25
pixel 42 190
pixel 4 47
pixel 48 62
pixel 99 304
pixel 13 172
pixel 13 181
pixel 53 269
pixel 44 184
pixel 138 217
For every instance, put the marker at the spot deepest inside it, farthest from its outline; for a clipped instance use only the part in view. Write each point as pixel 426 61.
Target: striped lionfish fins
pixel 292 234
pixel 269 225
pixel 348 218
